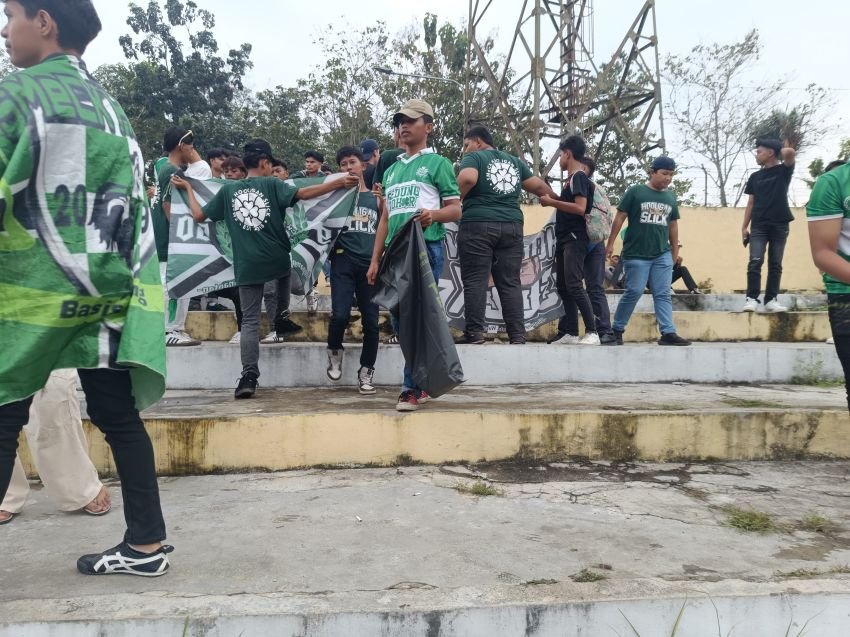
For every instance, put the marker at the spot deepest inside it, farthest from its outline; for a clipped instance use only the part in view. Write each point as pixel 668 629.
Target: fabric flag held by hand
pixel 406 286
pixel 200 257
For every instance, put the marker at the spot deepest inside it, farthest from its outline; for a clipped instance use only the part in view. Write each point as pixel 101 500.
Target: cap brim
pixel 407 112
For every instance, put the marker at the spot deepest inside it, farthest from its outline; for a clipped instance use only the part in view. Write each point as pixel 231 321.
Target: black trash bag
pixel 406 287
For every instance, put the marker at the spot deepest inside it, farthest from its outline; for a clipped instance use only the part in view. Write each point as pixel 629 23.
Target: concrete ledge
pixel 707 326
pixel 217 366
pixel 208 432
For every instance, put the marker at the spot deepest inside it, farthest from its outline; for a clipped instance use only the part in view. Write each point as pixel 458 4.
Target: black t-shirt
pixel 369 175
pixel 569 226
pixel 770 189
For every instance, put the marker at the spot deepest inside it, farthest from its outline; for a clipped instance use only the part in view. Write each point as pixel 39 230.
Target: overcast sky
pixel 805 41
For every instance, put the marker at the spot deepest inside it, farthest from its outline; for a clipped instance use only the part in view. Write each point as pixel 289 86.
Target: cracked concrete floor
pixel 323 532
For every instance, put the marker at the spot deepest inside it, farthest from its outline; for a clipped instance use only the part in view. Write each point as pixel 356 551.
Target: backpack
pixel 599 219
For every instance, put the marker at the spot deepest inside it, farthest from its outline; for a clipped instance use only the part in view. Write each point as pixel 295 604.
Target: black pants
pixel 233 295
pixel 569 267
pixel 594 281
pixel 485 248
pixel 681 272
pixel 771 239
pixel 348 278
pixel 839 321
pixel 109 397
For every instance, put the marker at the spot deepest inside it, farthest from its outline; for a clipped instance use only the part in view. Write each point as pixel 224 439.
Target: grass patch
pixel 817 523
pixel 585 576
pixel 812 374
pixel 745 404
pixel 811 573
pixel 478 488
pixel 540 582
pixel 750 520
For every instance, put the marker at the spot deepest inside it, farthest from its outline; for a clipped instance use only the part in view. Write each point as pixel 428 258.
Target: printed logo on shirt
pixel 403 197
pixel 847 204
pixel 503 176
pixel 251 209
pixel 423 172
pixel 364 220
pixel 655 212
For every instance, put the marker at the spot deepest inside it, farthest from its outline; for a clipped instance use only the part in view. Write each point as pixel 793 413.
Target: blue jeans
pixel 436 257
pixel 658 272
pixel 348 277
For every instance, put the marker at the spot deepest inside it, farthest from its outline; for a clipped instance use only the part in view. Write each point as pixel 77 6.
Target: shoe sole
pixel 673 344
pixel 367 392
pixel 136 574
pixel 244 394
pixel 195 344
pixel 335 380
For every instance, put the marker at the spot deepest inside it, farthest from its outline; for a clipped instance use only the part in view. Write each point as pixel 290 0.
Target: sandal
pixel 4 519
pixel 94 508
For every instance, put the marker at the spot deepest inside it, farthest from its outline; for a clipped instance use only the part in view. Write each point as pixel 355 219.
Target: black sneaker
pixel 217 307
pixel 247 386
pixel 673 339
pixel 471 339
pixel 124 560
pixel 286 326
pixel 615 338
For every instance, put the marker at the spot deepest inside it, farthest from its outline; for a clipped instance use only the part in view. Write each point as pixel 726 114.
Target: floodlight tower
pixel 550 84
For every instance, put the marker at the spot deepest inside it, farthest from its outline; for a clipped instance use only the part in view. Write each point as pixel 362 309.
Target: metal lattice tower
pixel 550 83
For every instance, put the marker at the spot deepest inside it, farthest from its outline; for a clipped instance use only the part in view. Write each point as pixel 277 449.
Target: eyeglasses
pixel 188 138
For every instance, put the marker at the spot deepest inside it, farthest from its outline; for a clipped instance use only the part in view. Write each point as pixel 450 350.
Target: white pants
pixel 59 449
pixel 176 310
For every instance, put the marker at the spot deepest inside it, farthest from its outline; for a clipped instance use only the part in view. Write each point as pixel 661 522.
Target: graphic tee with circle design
pixel 253 210
pixel 496 194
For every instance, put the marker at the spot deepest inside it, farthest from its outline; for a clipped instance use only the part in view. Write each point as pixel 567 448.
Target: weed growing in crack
pixel 478 488
pixel 817 523
pixel 585 576
pixel 812 573
pixel 750 520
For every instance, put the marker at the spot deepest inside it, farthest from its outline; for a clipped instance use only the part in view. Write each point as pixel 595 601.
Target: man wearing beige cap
pixel 422 183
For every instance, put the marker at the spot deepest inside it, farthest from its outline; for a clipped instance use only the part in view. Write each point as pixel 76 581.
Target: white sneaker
pixel 312 302
pixel 180 339
pixel 830 341
pixel 568 339
pixel 591 338
pixel 237 339
pixel 751 305
pixel 774 307
pixel 335 364
pixel 366 380
pixel 272 338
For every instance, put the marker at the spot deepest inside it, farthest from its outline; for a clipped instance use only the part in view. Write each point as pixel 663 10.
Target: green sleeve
pixel 285 194
pixel 627 201
pixel 470 160
pixel 826 201
pixel 524 170
pixel 163 179
pixel 445 180
pixel 12 126
pixel 216 207
pixel 675 214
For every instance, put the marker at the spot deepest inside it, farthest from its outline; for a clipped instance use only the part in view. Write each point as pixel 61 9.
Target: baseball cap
pixel 258 147
pixel 663 163
pixel 368 148
pixel 414 109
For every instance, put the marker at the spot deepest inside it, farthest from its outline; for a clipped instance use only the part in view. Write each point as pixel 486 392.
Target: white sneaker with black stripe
pixel 180 339
pixel 124 560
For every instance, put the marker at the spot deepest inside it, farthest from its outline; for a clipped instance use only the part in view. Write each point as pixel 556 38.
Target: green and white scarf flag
pixel 200 257
pixel 79 282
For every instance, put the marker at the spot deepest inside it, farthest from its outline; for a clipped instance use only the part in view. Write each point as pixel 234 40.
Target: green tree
pixel 175 74
pixel 5 65
pixel 797 126
pixel 817 166
pixel 281 117
pixel 714 112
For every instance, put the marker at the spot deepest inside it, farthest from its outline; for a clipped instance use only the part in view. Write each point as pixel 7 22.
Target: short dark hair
pixel 252 160
pixel 772 143
pixel 215 153
pixel 233 162
pixel 173 136
pixel 348 151
pixel 279 163
pixel 315 154
pixel 576 145
pixel 481 133
pixel 590 162
pixel 833 165
pixel 77 20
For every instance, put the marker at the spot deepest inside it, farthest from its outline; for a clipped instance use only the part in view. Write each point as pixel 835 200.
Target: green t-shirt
pixel 495 197
pixel 387 159
pixel 358 238
pixel 831 200
pixel 160 221
pixel 649 213
pixel 424 180
pixel 253 210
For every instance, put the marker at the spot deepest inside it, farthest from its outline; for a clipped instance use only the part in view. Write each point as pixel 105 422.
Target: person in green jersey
pixel 350 259
pixel 650 248
pixel 828 213
pixel 420 183
pixel 253 211
pixel 79 286
pixel 490 238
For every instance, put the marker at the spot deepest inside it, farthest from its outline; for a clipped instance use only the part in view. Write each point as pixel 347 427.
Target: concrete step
pixel 403 552
pixel 203 432
pixel 698 325
pixel 217 365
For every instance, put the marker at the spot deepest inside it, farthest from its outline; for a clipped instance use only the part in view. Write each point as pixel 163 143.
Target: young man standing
pixel 490 237
pixel 650 248
pixel 253 210
pixel 215 158
pixel 571 234
pixel 350 258
pixel 371 153
pixel 179 144
pixel 420 183
pixel 313 161
pixel 79 286
pixel 769 213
